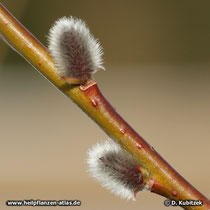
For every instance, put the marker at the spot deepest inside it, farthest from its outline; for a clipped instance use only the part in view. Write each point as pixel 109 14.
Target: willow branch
pixel 164 180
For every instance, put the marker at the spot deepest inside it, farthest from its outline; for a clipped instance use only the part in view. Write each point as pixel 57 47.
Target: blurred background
pixel 157 59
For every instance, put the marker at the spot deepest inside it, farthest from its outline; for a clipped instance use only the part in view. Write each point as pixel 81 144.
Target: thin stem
pixel 164 180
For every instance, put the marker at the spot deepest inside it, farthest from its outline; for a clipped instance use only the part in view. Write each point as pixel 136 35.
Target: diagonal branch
pixel 163 180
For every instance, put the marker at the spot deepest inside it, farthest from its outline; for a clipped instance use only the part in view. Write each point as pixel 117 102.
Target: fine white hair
pixel 114 168
pixel 75 51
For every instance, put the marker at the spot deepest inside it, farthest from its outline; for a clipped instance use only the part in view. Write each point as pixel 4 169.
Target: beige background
pixel 159 84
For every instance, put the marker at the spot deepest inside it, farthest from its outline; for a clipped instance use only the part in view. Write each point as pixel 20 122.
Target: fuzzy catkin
pixel 115 168
pixel 76 53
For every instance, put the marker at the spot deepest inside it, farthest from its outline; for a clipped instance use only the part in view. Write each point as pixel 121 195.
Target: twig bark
pixel 164 180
